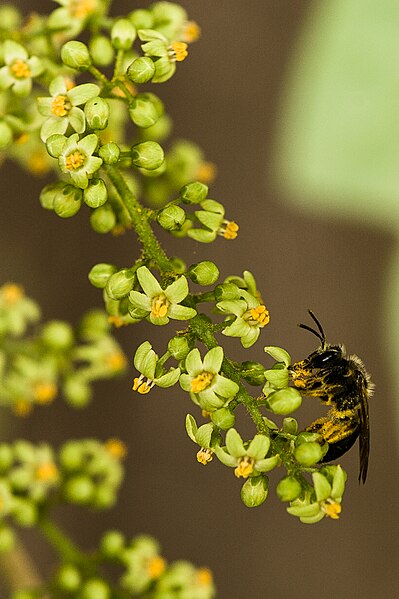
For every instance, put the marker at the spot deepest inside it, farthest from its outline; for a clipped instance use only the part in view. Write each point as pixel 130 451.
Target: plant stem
pixel 151 246
pixel 60 541
pixel 18 569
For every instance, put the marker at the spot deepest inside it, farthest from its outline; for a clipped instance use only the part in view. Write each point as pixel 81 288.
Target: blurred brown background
pixel 225 97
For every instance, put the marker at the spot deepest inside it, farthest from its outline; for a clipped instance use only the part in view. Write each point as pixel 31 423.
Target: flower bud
pixel 57 335
pixel 123 34
pixel 307 437
pixel 308 454
pixel 100 273
pixel 141 70
pixel 120 283
pixel 179 347
pixel 109 153
pixel 141 19
pixel 5 135
pixel 67 201
pixel 48 194
pixel 254 491
pixel 145 110
pixel 76 55
pixel 25 512
pixel 204 273
pixel 101 50
pixel 95 323
pixel 253 373
pixel 95 194
pixel 76 391
pixel 290 426
pixel 277 376
pixel 157 132
pixel 148 155
pixel 227 291
pixel 97 113
pixel 95 588
pixel 104 497
pixel 223 418
pixel 103 219
pixel 10 17
pixel 68 578
pixel 284 401
pixel 79 489
pixel 112 543
pixel 7 539
pixel 6 457
pixel 194 193
pixel 288 489
pixel 55 144
pixel 171 218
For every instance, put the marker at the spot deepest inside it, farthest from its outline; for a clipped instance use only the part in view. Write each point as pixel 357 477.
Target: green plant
pixel 102 141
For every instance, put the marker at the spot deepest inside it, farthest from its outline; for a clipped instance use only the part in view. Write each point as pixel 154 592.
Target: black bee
pixel 343 383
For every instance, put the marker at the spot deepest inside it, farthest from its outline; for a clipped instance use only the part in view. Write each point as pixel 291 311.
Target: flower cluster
pixel 56 361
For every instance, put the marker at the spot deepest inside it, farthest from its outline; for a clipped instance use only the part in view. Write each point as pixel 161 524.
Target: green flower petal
pixel 177 291
pixel 92 164
pixel 148 282
pixel 22 88
pixel 202 235
pixel 338 485
pixel 250 337
pixel 53 125
pixel 185 382
pixel 169 379
pixel 236 307
pixel 267 464
pixel 158 320
pixel 77 119
pixel 194 363
pixel 13 51
pixel 321 486
pixel 313 519
pixel 36 66
pixel 305 511
pixel 71 144
pixel 44 105
pixel 191 427
pixel 225 458
pixel 204 435
pixel 213 360
pixel 58 87
pixel 210 401
pixel 82 93
pixel 140 300
pixel 6 80
pixel 238 328
pixel 79 178
pixel 145 360
pixel 209 219
pixel 225 387
pixel 88 144
pixel 181 312
pixel 234 443
pixel 258 447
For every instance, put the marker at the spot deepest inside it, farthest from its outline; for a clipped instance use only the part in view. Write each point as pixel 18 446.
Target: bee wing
pixel 364 435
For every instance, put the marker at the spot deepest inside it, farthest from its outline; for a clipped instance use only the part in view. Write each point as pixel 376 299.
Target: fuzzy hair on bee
pixel 342 382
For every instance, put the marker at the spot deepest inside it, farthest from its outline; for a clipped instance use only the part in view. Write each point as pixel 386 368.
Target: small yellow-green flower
pixel 206 436
pixel 62 107
pixel 329 485
pixel 247 459
pixel 151 368
pixel 19 69
pixel 251 317
pixel 159 305
pixel 203 381
pixel 76 158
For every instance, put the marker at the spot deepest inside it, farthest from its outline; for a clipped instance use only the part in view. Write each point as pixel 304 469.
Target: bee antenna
pixel 320 333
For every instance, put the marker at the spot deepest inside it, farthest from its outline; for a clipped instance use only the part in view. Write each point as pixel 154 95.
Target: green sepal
pixel 191 427
pixel 278 354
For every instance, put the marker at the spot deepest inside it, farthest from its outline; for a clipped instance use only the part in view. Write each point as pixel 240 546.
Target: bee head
pixel 326 356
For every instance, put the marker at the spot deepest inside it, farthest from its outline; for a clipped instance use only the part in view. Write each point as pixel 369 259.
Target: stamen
pixel 230 231
pixel 20 69
pixel 204 577
pixel 11 293
pixel 201 382
pixel 115 361
pixel 204 455
pixel 44 393
pixel 331 509
pixel 80 9
pixel 260 315
pixel 159 306
pixel 116 448
pixel 179 51
pixel 156 566
pixel 191 32
pixel 60 106
pixel 46 472
pixel 75 160
pixel 141 386
pixel 245 467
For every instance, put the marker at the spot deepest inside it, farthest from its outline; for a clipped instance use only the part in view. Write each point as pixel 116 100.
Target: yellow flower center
pixel 116 361
pixel 11 293
pixel 80 9
pixel 156 566
pixel 75 160
pixel 20 69
pixel 230 230
pixel 201 381
pixel 179 51
pixel 44 392
pixel 46 472
pixel 245 467
pixel 117 321
pixel 60 106
pixel 331 509
pixel 204 577
pixel 204 455
pixel 259 315
pixel 116 448
pixel 191 32
pixel 159 306
pixel 38 163
pixel 142 386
